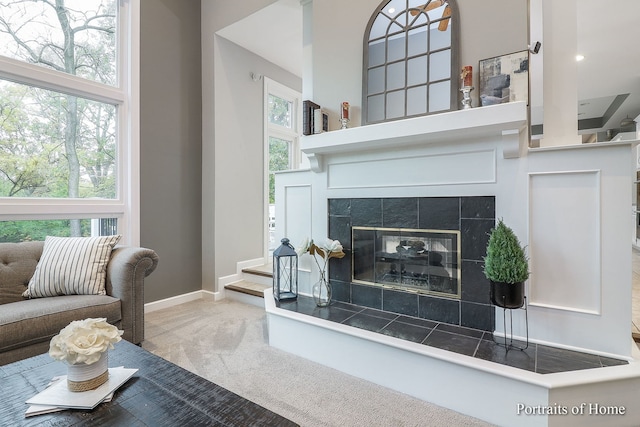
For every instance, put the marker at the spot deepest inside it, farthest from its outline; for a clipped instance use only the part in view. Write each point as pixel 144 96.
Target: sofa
pixel 27 325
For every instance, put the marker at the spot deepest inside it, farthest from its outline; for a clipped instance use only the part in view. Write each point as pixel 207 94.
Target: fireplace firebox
pixel 390 234
pixel 424 261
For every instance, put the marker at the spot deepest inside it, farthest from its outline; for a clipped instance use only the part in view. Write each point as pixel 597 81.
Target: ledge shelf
pixel 505 121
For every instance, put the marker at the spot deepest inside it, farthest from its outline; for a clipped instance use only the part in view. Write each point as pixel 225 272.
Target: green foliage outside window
pixel 280 111
pixel 54 144
pixel 279 153
pixel 26 231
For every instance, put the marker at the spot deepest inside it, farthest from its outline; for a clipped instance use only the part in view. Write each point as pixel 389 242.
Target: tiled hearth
pixel 470 342
pixel 474 217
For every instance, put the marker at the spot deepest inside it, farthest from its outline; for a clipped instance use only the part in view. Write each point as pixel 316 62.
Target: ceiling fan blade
pixel 427 7
pixel 444 24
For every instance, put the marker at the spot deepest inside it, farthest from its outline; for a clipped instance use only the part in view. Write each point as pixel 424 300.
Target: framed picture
pixel 504 78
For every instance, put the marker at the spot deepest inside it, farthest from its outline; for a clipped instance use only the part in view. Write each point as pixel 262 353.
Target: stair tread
pixel 246 287
pixel 262 270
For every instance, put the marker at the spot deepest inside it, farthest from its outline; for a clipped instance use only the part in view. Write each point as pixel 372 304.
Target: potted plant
pixel 506 266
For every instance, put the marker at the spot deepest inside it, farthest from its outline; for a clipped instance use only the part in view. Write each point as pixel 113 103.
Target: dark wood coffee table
pixel 159 394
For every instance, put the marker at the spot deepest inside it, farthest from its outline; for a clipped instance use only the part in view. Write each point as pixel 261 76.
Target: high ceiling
pixel 609 42
pixel 607 38
pixel 274 33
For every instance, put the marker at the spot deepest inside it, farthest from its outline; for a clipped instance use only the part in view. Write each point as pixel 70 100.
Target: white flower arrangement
pixel 329 249
pixel 84 341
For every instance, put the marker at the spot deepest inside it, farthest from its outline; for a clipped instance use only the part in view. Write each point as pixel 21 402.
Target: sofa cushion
pixel 30 321
pixel 17 263
pixel 72 266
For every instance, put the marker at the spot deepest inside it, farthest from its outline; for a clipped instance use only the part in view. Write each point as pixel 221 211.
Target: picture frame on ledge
pixel 504 78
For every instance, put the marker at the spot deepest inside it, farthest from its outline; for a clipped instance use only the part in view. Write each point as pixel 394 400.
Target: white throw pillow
pixel 72 266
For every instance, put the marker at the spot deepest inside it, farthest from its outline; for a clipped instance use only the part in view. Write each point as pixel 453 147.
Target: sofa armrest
pixel 126 271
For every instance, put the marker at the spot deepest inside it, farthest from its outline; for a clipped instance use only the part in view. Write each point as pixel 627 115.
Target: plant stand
pixel 510 345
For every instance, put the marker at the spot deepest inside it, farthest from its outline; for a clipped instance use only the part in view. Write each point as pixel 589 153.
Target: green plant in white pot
pixel 506 266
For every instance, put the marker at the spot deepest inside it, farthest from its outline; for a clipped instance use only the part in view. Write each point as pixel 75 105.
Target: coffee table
pixel 159 394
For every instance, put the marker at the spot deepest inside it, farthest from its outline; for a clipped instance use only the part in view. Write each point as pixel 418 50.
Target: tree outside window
pixel 55 144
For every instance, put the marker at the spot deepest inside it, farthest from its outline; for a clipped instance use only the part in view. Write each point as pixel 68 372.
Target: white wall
pixel 233 222
pixel 487 30
pixel 231 203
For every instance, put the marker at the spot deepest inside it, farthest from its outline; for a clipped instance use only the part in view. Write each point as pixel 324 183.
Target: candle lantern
pixel 344 114
pixel 285 272
pixel 466 77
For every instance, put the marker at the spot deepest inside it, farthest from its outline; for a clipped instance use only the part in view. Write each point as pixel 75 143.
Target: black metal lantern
pixel 285 272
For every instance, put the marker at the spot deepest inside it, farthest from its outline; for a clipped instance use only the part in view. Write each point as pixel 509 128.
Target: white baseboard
pixel 249 263
pixel 215 296
pixel 181 299
pixel 238 276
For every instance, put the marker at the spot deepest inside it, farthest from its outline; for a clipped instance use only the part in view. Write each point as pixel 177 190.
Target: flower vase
pixel 322 292
pixel 83 377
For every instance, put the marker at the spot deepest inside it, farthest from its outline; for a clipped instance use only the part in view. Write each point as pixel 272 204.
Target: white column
pixel 560 73
pixel 307 49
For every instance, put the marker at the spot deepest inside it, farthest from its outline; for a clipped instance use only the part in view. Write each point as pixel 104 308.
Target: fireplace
pixel 424 261
pixel 443 282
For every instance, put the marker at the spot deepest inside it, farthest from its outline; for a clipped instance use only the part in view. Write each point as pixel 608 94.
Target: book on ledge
pixel 308 109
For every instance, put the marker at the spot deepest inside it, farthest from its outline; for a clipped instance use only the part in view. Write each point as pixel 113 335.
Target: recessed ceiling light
pixel 579 57
pixel 391 10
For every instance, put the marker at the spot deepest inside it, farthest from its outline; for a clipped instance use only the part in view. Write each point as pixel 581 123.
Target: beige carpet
pixel 227 343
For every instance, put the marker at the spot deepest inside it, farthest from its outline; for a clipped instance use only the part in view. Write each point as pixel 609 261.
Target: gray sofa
pixel 27 325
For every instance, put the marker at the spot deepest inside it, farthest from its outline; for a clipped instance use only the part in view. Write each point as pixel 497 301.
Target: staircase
pixel 251 288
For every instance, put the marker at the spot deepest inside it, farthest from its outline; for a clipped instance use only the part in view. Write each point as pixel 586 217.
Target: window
pixel 68 109
pixel 281 135
pixel 410 60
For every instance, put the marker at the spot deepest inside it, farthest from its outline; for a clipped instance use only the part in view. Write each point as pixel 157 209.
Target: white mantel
pixel 503 121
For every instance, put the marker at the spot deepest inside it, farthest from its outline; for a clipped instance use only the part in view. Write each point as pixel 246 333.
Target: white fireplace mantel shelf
pixel 507 122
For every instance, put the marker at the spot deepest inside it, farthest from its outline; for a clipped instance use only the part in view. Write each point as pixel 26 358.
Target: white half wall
pixel 575 221
pixel 568 205
pixel 581 272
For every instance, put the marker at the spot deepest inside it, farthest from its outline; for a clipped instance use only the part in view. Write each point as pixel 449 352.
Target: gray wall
pixel 171 144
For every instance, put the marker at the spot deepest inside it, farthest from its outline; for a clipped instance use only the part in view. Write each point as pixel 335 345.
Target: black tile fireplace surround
pixel 473 216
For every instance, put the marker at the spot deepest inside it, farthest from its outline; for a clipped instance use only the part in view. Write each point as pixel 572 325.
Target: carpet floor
pixel 226 342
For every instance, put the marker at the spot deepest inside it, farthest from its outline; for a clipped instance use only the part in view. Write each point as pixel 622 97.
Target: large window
pixel 281 135
pixel 68 118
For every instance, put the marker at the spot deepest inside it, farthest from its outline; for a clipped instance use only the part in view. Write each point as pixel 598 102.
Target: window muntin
pixel 282 123
pixel 35 33
pixel 55 145
pixel 410 60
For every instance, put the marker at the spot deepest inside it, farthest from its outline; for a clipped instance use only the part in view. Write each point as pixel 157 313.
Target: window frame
pixel 126 97
pixel 271 87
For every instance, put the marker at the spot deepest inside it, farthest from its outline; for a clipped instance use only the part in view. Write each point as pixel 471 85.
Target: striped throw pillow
pixel 72 266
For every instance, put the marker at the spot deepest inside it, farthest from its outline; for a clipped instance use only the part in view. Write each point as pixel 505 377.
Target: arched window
pixel 410 60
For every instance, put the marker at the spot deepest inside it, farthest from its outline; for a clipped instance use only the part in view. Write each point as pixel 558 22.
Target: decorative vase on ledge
pixel 322 292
